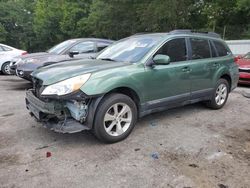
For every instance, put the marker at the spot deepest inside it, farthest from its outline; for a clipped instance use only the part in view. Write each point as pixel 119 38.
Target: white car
pixel 7 53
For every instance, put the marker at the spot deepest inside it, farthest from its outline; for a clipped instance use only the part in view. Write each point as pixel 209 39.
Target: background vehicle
pixel 134 77
pixel 244 68
pixel 74 48
pixel 7 53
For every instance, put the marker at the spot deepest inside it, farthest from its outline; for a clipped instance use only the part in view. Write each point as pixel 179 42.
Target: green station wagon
pixel 136 76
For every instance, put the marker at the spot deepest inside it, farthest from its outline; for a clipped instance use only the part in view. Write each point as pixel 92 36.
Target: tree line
pixel 36 25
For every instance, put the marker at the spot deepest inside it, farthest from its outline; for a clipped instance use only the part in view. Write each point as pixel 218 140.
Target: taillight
pixel 24 53
pixel 236 59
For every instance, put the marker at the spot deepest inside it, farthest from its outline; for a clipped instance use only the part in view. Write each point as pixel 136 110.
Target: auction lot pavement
pixel 191 146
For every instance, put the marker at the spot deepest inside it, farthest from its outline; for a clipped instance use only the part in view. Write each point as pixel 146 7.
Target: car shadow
pixel 177 112
pixel 21 86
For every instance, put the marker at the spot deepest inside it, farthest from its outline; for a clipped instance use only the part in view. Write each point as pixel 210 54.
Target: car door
pixel 86 49
pixel 169 84
pixel 203 67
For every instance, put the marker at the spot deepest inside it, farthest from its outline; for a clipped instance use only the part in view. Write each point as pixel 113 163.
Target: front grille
pixel 37 87
pixel 244 70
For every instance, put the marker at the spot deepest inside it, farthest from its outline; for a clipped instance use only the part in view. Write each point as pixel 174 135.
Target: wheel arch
pixel 129 92
pixel 228 78
pixel 96 102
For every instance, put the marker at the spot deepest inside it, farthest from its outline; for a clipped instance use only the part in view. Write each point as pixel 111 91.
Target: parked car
pixel 244 68
pixel 67 50
pixel 136 76
pixel 7 53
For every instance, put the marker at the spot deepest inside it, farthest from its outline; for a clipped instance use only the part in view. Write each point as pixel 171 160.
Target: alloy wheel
pixel 221 94
pixel 117 119
pixel 7 69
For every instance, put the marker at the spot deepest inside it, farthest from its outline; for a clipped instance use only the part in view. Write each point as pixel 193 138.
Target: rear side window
pixel 175 49
pixel 200 48
pixel 221 49
pixel 1 49
pixel 83 47
pixel 213 51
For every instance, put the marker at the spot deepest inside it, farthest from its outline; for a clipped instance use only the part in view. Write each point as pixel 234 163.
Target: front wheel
pixel 6 68
pixel 115 118
pixel 220 95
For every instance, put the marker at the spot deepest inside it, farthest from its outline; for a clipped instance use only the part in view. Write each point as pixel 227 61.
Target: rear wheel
pixel 220 95
pixel 115 118
pixel 6 68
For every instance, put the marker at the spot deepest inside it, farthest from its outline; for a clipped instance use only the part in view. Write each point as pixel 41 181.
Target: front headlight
pixel 67 86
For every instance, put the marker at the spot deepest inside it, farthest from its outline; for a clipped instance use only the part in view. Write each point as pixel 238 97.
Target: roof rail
pixel 188 31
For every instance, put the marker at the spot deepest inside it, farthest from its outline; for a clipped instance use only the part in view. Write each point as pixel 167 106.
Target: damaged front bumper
pixel 64 116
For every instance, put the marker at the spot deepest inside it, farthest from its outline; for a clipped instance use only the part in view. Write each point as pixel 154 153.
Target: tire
pixel 111 127
pixel 219 98
pixel 6 68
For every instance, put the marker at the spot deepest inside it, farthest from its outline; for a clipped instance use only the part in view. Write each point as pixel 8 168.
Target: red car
pixel 244 68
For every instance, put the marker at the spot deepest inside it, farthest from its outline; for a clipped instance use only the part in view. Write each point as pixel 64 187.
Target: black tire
pixel 107 103
pixel 212 103
pixel 3 68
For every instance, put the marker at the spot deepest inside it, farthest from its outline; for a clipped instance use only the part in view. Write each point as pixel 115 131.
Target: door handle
pixel 186 69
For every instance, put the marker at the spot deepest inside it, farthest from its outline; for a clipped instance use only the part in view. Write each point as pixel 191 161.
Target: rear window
pixel 221 49
pixel 200 48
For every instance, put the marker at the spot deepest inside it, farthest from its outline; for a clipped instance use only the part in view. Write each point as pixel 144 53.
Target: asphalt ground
pixel 191 146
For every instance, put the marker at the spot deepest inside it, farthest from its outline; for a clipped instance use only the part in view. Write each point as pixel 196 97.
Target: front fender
pixel 104 81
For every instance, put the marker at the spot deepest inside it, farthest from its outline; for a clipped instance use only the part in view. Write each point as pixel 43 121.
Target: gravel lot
pixel 186 147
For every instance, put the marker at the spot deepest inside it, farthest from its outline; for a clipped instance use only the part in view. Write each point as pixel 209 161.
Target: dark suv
pixel 134 77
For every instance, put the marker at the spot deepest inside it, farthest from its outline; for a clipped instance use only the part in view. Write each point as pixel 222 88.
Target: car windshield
pixel 131 49
pixel 247 56
pixel 58 49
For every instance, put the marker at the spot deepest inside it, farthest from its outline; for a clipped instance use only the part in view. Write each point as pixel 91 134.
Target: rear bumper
pixel 53 115
pixel 244 78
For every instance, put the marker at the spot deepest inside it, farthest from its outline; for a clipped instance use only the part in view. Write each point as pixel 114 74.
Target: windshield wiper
pixel 107 59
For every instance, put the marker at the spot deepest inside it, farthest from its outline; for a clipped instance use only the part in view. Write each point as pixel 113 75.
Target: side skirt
pixel 176 101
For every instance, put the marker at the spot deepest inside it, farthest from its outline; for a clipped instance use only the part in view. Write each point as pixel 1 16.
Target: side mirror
pixel 161 59
pixel 71 54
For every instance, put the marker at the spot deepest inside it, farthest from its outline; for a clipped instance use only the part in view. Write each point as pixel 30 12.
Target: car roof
pixel 183 33
pixel 92 39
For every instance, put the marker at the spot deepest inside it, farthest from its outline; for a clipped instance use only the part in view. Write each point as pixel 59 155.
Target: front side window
pixel 131 49
pixel 200 48
pixel 221 49
pixel 175 49
pixel 1 49
pixel 84 47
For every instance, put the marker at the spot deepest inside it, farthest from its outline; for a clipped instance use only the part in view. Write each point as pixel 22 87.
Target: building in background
pixel 239 47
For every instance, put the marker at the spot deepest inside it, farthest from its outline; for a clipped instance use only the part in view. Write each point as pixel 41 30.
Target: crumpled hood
pixel 244 63
pixel 62 71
